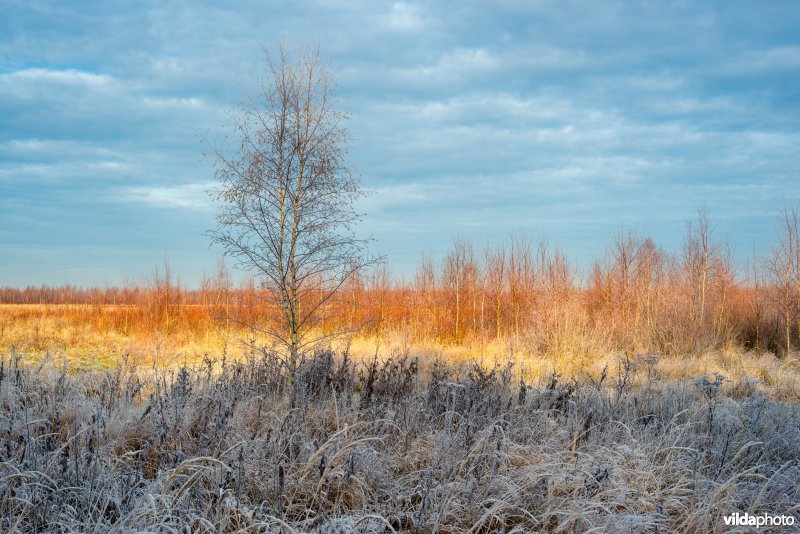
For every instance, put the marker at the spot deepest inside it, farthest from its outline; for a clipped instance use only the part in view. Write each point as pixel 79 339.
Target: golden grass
pixel 87 337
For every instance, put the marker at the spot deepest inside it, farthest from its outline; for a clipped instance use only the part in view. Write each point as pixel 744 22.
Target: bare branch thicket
pixel 459 274
pixel 783 268
pixel 707 266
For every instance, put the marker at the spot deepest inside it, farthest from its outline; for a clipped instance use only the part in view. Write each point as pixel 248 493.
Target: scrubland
pixel 203 431
pixel 496 391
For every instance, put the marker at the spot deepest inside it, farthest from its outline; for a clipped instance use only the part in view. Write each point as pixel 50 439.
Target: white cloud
pixel 52 148
pixel 648 83
pixel 115 166
pixel 404 17
pixel 38 86
pixel 173 102
pixel 452 65
pixel 67 76
pixel 193 196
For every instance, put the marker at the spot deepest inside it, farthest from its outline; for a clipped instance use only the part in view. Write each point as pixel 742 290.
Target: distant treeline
pixel 636 297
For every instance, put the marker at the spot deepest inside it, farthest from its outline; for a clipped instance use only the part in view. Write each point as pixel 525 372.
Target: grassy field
pixel 96 338
pixel 107 425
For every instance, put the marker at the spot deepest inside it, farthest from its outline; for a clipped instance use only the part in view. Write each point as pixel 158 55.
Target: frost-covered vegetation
pixel 399 444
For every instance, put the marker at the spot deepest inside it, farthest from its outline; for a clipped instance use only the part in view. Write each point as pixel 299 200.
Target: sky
pixel 566 120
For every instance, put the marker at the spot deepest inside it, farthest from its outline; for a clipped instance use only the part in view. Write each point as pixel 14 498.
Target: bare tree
pixel 288 199
pixel 163 302
pixel 521 277
pixel 495 262
pixel 425 286
pixel 699 255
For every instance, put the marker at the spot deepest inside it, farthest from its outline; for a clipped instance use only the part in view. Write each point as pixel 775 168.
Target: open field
pixel 493 395
pixel 407 444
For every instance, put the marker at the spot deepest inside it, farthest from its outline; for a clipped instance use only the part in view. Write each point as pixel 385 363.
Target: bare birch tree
pixel 288 195
pixel 699 256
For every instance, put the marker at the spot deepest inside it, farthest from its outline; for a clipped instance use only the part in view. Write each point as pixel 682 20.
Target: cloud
pixel 64 77
pixel 457 65
pixel 564 117
pixel 193 196
pixel 173 102
pixel 404 17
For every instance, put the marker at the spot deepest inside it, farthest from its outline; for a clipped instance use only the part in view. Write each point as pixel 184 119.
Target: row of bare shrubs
pixel 385 446
pixel 636 297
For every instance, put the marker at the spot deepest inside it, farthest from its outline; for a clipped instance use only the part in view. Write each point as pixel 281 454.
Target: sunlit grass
pixel 98 337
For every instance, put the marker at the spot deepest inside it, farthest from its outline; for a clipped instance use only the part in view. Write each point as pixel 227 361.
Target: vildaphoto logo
pixel 762 520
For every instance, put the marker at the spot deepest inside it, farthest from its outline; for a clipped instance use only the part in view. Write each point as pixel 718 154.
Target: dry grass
pixel 95 338
pixel 404 444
